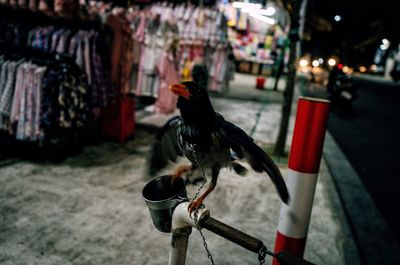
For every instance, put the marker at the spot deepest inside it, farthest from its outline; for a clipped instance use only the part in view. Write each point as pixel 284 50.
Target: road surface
pixel 369 136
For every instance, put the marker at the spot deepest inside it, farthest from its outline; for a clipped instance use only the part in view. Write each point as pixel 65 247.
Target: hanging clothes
pixel 166 101
pixel 6 97
pixel 147 82
pixel 26 102
pixel 42 102
pixel 122 56
pixel 195 32
pixel 89 48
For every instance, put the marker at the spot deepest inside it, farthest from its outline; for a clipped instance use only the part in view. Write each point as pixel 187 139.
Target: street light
pixel 337 18
pixel 263 18
pixel 270 11
pixel 246 5
pixel 331 62
pixel 315 63
pixel 385 45
pixel 303 62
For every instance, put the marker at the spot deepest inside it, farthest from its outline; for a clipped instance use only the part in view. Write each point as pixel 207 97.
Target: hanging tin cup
pixel 161 197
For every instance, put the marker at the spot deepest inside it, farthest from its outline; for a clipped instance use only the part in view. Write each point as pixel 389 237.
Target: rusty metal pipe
pixel 179 244
pixel 182 224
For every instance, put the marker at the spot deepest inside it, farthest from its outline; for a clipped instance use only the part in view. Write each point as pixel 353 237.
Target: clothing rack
pixel 31 20
pixel 59 140
pixel 206 3
pixel 46 137
pixel 12 14
pixel 202 41
pixel 38 56
pixel 141 3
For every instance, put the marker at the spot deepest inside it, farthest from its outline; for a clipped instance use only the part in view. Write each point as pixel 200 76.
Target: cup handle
pixel 182 199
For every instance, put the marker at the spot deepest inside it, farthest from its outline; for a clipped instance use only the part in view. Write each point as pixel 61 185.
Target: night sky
pixel 357 35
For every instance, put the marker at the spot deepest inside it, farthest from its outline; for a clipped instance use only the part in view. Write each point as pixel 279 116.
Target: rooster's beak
pixel 180 90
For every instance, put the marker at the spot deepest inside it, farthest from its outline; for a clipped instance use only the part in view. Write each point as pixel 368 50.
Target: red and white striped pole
pixel 304 161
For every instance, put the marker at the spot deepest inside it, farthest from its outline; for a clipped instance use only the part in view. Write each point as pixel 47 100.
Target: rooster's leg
pixel 180 170
pixel 194 205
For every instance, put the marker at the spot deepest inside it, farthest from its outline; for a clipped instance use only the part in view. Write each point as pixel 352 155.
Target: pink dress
pixel 166 101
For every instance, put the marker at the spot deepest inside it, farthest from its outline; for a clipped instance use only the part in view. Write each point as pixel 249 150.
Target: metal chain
pixel 210 257
pixel 261 254
pixel 202 171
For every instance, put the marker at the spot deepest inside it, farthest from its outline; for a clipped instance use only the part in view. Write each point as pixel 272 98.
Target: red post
pixel 301 180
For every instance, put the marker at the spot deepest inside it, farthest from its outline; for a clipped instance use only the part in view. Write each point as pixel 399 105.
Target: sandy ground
pixel 88 209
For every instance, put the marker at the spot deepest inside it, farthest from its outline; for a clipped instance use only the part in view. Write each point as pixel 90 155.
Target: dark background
pixel 357 36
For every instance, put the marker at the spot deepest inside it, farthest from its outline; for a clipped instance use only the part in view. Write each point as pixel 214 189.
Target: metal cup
pixel 161 197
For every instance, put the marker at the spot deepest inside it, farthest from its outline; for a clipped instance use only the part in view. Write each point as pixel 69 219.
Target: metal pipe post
pixel 179 244
pixel 182 224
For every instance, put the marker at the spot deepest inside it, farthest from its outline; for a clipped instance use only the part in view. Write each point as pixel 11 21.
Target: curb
pixel 270 96
pixel 374 242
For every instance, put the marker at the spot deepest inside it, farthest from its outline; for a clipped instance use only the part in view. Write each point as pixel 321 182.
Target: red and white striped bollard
pixel 301 180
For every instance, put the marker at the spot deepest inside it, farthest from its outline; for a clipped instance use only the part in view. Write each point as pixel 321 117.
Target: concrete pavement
pixel 88 209
pixel 243 113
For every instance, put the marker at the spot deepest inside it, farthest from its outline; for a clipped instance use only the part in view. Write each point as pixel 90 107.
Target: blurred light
pixel 246 5
pixel 250 9
pixel 270 11
pixel 340 66
pixel 316 70
pixel 303 62
pixel 363 69
pixel 263 18
pixel 384 47
pixel 374 67
pixel 385 44
pixel 332 62
pixel 337 18
pixel 346 69
pixel 315 63
pixel 320 60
